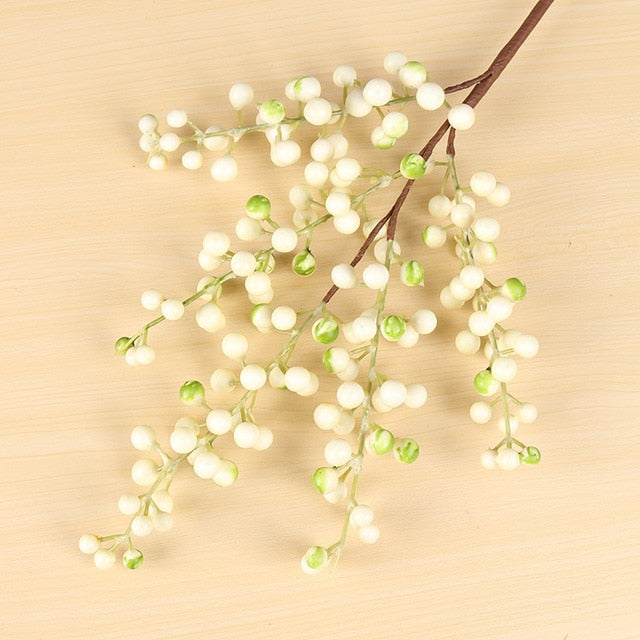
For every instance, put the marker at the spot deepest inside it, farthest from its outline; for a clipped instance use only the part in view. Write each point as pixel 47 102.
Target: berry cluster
pixel 334 191
pixel 491 305
pixel 358 100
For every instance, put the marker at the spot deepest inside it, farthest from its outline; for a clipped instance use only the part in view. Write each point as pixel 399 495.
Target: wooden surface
pixel 542 553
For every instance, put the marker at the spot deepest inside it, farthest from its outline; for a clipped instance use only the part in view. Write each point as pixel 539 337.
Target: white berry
pixel 461 116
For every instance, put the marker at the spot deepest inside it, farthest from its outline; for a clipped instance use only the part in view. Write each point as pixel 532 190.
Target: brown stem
pixel 467 83
pixel 508 52
pixel 390 217
pixel 451 139
pixel 481 84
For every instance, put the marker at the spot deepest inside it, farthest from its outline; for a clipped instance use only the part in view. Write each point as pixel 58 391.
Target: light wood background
pixel 542 553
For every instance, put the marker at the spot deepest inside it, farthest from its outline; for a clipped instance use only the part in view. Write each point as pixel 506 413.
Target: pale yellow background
pixel 543 553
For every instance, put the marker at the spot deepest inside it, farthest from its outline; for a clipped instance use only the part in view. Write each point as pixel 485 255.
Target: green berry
pixel 325 330
pixel 485 383
pixel 406 450
pixel 325 479
pixel 413 166
pixel 304 263
pixel 123 345
pixel 514 289
pixel 530 455
pixel 192 393
pixel 381 441
pixel 272 111
pixel 412 74
pixel 258 207
pixel 316 557
pixel 132 558
pixel 412 273
pixel 393 327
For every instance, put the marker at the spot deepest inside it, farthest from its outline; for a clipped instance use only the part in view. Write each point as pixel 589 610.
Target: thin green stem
pixel 357 461
pixel 166 473
pixel 285 353
pixel 142 334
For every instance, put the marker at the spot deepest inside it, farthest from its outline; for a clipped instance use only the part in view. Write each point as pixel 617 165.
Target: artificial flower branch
pixel 352 345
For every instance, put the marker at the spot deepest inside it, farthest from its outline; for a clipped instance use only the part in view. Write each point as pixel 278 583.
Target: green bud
pixel 316 557
pixel 406 450
pixel 304 264
pixel 258 207
pixel 413 166
pixel 412 273
pixel 325 479
pixel 381 441
pixel 123 345
pixel 393 327
pixel 272 111
pixel 485 383
pixel 514 289
pixel 530 455
pixel 415 67
pixel 132 558
pixel 192 392
pixel 325 330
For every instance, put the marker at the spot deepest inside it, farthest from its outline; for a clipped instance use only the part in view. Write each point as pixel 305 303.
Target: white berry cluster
pixel 339 191
pixel 363 400
pixel 408 81
pixel 191 441
pixel 491 305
